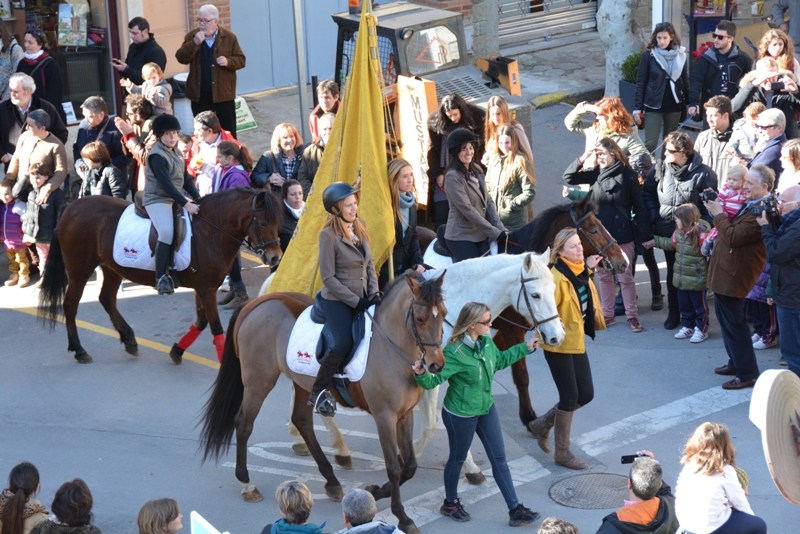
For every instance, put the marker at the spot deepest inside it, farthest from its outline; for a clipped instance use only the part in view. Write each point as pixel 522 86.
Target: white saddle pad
pixel 437 261
pixel 131 247
pixel 301 352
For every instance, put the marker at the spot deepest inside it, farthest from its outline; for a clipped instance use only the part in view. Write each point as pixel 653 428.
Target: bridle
pixel 523 291
pixel 417 339
pixel 601 251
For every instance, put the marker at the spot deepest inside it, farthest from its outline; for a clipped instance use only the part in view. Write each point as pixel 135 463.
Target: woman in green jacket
pixel 471 360
pixel 510 180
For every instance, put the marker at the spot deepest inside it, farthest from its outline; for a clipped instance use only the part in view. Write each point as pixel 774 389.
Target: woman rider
pixel 350 284
pixel 166 177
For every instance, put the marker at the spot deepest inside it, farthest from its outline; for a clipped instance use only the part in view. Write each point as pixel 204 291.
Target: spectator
pixel 498 115
pixel 312 155
pixel 328 98
pixel 185 145
pixel 213 55
pixel 732 273
pixel 650 507
pixel 41 218
pixel 615 187
pixel 662 85
pixel 678 179
pixel 712 144
pixel 10 56
pixel 709 496
pixel 208 134
pixel 719 69
pixel 37 145
pixel 779 17
pixel 11 213
pixel 20 511
pixel 142 50
pixel 14 112
pixel 98 126
pixel 760 308
pixel 293 208
pixel 160 516
pixel 358 511
pixel 770 125
pixel 745 134
pixel 731 197
pixel 611 120
pixel 453 113
pixel 155 89
pixel 44 70
pixel 757 86
pixel 282 161
pixel 554 525
pixel 783 250
pixel 790 161
pixel 511 180
pixel 777 45
pixel 295 502
pixel 72 509
pixel 101 177
pixel 136 136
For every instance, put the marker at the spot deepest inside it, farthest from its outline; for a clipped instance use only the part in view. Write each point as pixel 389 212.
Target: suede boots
pixel 320 398
pixel 540 429
pixel 563 456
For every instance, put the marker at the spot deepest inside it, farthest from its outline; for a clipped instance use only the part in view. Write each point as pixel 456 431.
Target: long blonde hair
pixel 470 314
pixel 155 515
pixel 396 166
pixel 517 158
pixel 560 242
pixel 710 448
pixel 338 225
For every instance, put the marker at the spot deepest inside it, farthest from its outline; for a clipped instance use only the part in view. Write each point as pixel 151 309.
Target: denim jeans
pixel 789 324
pixel 236 274
pixel 460 431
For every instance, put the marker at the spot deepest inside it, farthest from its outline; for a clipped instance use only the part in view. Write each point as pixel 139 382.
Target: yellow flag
pixel 356 154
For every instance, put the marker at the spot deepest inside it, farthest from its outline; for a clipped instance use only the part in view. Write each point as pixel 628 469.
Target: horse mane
pixel 272 205
pixel 537 229
pixel 429 290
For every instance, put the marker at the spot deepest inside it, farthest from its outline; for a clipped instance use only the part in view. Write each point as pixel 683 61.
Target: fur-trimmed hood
pixel 750 76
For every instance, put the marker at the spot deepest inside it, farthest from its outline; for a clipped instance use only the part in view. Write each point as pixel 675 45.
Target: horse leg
pixel 341 452
pixel 251 405
pixel 108 298
pixel 176 353
pixel 298 444
pixel 405 443
pixel 303 419
pixel 506 337
pixel 208 304
pixel 72 299
pixel 427 410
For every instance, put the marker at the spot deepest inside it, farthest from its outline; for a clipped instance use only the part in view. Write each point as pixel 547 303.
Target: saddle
pixel 179 228
pixel 326 337
pixel 440 246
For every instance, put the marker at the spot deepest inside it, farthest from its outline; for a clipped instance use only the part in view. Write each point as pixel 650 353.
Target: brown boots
pixel 563 456
pixel 540 429
pixel 233 299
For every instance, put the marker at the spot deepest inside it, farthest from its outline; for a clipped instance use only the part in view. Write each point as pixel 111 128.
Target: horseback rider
pixel 350 283
pixel 166 179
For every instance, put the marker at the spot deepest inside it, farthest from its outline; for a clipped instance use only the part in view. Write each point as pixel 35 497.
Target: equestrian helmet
pixel 166 123
pixel 460 137
pixel 334 193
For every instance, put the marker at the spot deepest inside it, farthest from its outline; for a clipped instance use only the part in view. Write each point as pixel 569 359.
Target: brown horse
pixel 85 239
pixel 408 324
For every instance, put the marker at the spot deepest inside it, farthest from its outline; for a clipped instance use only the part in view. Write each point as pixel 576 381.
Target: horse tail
pixel 54 285
pixel 219 418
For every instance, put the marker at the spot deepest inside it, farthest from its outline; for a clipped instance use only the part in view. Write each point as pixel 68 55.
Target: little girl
pixel 731 197
pixel 745 136
pixel 100 176
pixel 11 213
pixel 40 220
pixel 689 275
pixel 155 88
pixel 709 496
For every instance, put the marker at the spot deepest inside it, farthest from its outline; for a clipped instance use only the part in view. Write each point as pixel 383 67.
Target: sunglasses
pixel 671 151
pixel 485 323
pixel 718 36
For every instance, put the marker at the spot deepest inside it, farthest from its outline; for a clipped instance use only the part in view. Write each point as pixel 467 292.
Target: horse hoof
pixel 176 354
pixel 334 493
pixel 476 479
pixel 301 449
pixel 343 461
pixel 133 350
pixel 83 358
pixel 253 496
pixel 409 528
pixel 373 489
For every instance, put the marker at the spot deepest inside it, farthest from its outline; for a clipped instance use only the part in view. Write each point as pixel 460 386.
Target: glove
pixel 375 298
pixel 363 304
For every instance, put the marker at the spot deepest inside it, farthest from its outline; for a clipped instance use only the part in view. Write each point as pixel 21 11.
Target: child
pixel 731 197
pixel 155 88
pixel 160 516
pixel 744 137
pixel 295 502
pixel 185 144
pixel 100 176
pixel 11 213
pixel 40 220
pixel 764 314
pixel 689 275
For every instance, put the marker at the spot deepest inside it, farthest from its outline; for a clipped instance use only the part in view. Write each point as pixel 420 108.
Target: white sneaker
pixel 698 336
pixel 755 337
pixel 684 332
pixel 226 284
pixel 760 345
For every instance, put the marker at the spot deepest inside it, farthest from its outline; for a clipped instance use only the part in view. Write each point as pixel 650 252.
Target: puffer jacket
pixel 11 215
pixel 40 220
pixel 759 291
pixel 569 309
pixel 631 144
pixel 662 193
pixel 511 201
pixel 652 82
pixel 105 181
pixel 786 102
pixel 713 149
pixel 691 267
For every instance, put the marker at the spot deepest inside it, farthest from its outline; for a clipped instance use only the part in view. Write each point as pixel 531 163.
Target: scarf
pixel 580 281
pixel 353 236
pixel 28 510
pixel 296 212
pixel 31 58
pixel 677 171
pixel 612 170
pixel 473 343
pixel 672 61
pixel 406 201
pixel 787 221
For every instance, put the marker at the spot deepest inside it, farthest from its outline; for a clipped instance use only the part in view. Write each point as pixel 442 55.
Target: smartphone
pixel 629 458
pixel 777 86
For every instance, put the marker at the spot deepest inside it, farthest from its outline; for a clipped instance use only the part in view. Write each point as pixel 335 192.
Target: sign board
pixel 416 98
pixel 70 111
pixel 244 119
pixel 200 525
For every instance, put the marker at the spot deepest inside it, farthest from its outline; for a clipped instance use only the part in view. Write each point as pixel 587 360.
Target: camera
pixel 707 196
pixel 768 206
pixel 777 86
pixel 630 458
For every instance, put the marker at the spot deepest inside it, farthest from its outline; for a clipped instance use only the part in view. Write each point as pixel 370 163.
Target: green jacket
pixel 511 202
pixel 691 267
pixel 470 375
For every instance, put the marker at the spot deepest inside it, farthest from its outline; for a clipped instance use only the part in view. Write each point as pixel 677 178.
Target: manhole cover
pixel 593 491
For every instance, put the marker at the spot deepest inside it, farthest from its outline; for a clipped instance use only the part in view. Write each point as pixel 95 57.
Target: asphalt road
pixel 127 425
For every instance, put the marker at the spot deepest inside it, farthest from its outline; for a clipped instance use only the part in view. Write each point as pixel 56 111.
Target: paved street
pixel 127 425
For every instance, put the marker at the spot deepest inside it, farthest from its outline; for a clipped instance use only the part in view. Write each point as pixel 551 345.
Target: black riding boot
pixel 320 398
pixel 164 284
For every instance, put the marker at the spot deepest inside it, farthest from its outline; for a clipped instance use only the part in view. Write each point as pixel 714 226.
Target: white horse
pixel 521 281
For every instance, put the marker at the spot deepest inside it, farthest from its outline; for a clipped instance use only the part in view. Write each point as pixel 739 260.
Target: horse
pixel 85 239
pixel 409 324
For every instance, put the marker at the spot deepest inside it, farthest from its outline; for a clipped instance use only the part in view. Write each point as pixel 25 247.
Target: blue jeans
pixel 460 431
pixel 742 523
pixel 789 325
pixel 236 274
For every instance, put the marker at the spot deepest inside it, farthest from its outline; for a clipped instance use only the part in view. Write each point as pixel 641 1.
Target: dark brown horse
pixel 85 239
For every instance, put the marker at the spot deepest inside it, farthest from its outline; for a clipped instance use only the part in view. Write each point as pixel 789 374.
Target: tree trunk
pixel 615 25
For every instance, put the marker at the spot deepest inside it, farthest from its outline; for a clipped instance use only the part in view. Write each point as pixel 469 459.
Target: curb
pixel 570 97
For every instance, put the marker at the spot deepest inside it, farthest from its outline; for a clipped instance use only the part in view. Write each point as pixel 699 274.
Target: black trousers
pixel 652 268
pixel 573 377
pixel 672 291
pixel 736 336
pixel 465 250
pixel 441 210
pixel 339 317
pixel 226 111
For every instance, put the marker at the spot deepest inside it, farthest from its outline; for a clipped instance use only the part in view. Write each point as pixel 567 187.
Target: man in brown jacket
pixel 213 55
pixel 737 260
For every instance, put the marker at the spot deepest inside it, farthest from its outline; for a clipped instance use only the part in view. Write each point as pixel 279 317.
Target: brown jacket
pixel 31 149
pixel 347 275
pixel 223 79
pixel 472 213
pixel 739 255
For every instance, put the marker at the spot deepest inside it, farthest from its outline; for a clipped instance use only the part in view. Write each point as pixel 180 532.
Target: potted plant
pixel 627 84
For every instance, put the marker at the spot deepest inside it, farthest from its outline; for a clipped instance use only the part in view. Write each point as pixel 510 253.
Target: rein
pixel 417 340
pixel 601 251
pixel 523 291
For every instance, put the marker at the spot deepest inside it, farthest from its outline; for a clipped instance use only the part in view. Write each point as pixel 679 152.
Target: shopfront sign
pixel 244 119
pixel 416 98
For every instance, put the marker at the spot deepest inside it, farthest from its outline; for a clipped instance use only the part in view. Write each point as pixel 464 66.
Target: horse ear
pixel 527 263
pixel 545 256
pixel 440 279
pixel 260 196
pixel 586 199
pixel 413 284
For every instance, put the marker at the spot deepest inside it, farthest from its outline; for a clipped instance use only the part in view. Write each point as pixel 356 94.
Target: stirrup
pixel 164 285
pixel 325 405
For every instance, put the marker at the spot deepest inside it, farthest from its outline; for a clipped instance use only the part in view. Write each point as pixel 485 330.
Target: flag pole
pixel 302 83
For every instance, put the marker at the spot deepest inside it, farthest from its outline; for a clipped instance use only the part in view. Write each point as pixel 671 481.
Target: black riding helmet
pixel 166 123
pixel 459 137
pixel 336 192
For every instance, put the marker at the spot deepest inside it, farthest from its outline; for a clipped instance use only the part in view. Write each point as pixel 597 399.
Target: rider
pixel 350 283
pixel 166 177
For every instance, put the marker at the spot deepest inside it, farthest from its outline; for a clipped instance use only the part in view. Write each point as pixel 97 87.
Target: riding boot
pixel 320 398
pixel 540 428
pixel 563 456
pixel 164 284
pixel 239 298
pixel 226 298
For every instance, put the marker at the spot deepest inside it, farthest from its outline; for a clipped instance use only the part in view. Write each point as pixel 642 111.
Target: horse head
pixel 427 315
pixel 595 238
pixel 263 232
pixel 535 299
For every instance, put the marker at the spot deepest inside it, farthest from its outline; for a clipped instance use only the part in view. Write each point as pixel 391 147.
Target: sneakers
pixel 699 336
pixel 636 326
pixel 226 285
pixel 783 362
pixel 684 333
pixel 755 337
pixel 455 511
pixel 610 321
pixel 761 345
pixel 522 516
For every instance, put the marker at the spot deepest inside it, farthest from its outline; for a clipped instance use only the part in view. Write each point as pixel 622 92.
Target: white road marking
pixel 657 420
pixel 373 463
pixel 298 475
